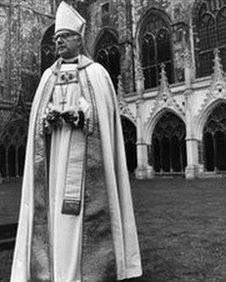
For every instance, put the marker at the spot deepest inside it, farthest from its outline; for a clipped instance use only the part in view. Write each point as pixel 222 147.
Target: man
pixel 76 220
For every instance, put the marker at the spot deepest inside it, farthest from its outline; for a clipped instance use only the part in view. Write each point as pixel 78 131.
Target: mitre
pixel 68 18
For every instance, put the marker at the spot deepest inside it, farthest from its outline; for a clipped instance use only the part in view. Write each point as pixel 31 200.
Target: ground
pixel 181 226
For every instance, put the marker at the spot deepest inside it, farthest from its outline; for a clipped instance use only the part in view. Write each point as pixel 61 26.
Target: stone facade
pixel 23 24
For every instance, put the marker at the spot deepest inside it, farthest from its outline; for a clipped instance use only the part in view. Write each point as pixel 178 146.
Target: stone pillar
pixel 126 44
pixel 143 170
pixel 193 168
pixel 127 66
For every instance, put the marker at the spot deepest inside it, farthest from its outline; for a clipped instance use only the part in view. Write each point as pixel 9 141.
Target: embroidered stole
pixel 98 259
pixel 75 173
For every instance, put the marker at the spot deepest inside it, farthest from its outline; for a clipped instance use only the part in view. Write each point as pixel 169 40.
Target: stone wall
pixel 22 25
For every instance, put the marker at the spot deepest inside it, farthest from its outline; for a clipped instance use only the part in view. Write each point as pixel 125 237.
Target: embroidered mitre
pixel 68 18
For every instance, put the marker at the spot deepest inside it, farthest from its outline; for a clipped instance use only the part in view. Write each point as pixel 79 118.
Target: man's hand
pixel 75 118
pixel 52 119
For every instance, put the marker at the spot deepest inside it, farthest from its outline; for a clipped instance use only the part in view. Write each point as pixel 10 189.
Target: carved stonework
pixel 179 40
pixel 187 57
pixel 18 111
pixel 3 35
pixel 139 79
pixel 121 101
pixel 4 117
pixel 217 87
pixel 164 97
pixel 123 105
pixel 127 113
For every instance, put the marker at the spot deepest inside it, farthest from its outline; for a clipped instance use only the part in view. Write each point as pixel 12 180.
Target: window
pixel 48 55
pixel 107 54
pixel 211 33
pixel 155 43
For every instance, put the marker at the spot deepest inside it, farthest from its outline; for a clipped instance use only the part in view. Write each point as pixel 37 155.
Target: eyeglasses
pixel 63 36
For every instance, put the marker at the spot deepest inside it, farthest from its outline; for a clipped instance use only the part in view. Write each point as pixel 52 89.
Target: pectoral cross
pixel 63 102
pixel 65 78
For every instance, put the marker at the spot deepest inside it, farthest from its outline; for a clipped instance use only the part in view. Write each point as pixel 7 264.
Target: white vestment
pixel 65 230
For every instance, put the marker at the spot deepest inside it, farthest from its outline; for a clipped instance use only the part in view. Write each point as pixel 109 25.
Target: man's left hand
pixel 75 118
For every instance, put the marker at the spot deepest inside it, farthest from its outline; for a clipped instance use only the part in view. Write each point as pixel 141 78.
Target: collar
pixel 74 60
pixel 82 63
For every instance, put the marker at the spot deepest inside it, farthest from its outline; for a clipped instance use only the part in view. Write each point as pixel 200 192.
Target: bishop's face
pixel 68 44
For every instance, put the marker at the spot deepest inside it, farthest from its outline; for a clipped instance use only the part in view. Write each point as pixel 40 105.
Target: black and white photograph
pixel 113 140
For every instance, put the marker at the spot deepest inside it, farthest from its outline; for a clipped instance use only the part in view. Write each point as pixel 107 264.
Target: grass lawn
pixel 182 230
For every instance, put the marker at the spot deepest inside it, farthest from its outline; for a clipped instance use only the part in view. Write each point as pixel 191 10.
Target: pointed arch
pixel 48 50
pixel 205 114
pixel 168 146
pixel 209 18
pixel 153 40
pixel 214 139
pixel 150 126
pixel 107 53
pixel 12 148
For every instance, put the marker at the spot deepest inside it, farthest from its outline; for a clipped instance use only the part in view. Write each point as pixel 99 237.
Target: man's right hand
pixel 52 119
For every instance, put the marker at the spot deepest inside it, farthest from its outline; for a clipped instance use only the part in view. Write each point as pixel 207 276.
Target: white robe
pixel 66 230
pixel 126 248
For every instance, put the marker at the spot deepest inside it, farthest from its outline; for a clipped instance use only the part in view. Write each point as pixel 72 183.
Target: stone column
pixel 126 44
pixel 143 170
pixel 192 169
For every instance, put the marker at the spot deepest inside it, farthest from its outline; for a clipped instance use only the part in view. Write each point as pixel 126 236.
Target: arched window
pixel 48 55
pixel 155 42
pixel 211 33
pixel 107 54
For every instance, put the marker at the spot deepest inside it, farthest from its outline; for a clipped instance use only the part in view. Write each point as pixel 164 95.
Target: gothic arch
pixel 144 17
pixel 154 46
pixel 167 153
pixel 12 148
pixel 48 52
pixel 209 24
pixel 127 113
pixel 107 53
pixel 203 116
pixel 154 120
pixel 214 139
pixel 130 139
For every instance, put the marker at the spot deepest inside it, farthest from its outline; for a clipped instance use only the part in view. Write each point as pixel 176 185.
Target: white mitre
pixel 68 18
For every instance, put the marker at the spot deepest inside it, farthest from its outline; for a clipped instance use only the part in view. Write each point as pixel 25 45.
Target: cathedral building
pixel 167 60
